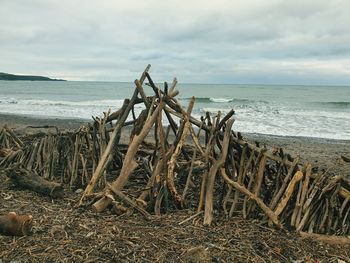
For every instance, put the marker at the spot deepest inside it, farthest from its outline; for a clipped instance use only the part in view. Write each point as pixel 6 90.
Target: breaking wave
pixel 217 100
pixel 337 104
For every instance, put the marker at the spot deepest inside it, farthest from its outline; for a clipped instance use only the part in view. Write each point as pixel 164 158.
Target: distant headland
pixel 6 76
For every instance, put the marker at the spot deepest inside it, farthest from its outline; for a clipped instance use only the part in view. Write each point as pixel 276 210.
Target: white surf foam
pixel 220 100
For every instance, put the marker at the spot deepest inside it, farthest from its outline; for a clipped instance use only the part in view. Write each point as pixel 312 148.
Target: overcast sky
pixel 218 41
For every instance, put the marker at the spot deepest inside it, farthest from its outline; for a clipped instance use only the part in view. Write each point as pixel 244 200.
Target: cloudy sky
pixel 221 41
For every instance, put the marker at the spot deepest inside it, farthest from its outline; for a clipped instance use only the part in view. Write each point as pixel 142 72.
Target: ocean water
pixel 311 111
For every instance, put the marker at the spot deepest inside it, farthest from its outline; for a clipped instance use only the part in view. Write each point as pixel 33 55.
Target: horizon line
pixel 198 83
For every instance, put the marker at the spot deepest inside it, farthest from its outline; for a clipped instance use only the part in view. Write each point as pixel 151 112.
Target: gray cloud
pixel 220 41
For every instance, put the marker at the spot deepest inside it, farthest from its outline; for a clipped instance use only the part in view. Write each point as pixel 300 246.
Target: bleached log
pixel 129 163
pixel 208 211
pixel 104 158
pixel 288 193
pixel 171 164
pixel 31 181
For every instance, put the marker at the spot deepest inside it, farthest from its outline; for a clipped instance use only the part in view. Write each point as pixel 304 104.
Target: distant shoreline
pixel 13 77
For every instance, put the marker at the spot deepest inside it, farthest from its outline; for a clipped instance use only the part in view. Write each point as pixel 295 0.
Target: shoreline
pixel 324 153
pixel 20 123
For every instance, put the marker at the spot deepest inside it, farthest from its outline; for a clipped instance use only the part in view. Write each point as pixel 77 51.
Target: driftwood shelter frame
pixel 226 173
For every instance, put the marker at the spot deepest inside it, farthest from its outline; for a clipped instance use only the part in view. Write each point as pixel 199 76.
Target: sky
pixel 197 41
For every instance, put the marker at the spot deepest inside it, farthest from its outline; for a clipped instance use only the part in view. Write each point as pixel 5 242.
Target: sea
pixel 284 110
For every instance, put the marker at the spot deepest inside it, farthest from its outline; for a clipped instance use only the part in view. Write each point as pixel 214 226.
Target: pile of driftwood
pixel 196 163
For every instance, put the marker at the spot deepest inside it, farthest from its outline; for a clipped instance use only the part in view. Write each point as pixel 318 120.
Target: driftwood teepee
pixel 204 165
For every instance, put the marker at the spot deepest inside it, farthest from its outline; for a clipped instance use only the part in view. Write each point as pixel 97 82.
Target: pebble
pixel 78 191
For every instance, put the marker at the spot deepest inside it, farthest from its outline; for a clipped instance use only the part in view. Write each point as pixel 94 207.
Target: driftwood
pixel 129 163
pixel 220 171
pixel 282 204
pixel 260 203
pixel 130 202
pixel 103 161
pixel 28 180
pixel 333 240
pixel 208 214
pixel 6 152
pixel 171 164
pixel 16 225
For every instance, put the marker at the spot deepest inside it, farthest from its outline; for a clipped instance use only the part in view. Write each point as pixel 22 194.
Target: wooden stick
pixel 156 171
pixel 191 217
pixel 310 208
pixel 75 159
pixel 115 115
pixel 288 193
pixel 101 165
pixel 169 100
pixel 129 163
pixel 303 193
pixel 229 192
pixel 225 119
pixel 209 148
pixel 239 179
pixel 332 240
pixel 208 212
pixel 142 93
pixel 130 202
pixel 188 180
pixel 171 164
pixel 173 110
pixel 18 142
pixel 172 87
pixel 4 152
pixel 196 140
pixel 251 176
pixel 297 205
pixel 258 201
pixel 325 216
pixel 258 180
pixel 260 175
pixel 280 192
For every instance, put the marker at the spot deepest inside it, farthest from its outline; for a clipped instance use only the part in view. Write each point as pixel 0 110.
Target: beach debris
pixel 196 254
pixel 345 159
pixel 200 164
pixel 29 180
pixel 328 239
pixel 8 137
pixel 16 225
pixel 5 152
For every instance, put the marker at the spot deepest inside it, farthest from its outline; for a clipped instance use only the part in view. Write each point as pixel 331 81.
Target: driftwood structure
pixel 194 163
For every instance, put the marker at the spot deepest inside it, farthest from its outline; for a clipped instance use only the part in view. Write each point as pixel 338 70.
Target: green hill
pixel 5 76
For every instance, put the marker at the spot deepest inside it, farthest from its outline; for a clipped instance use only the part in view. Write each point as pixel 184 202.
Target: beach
pixel 63 231
pixel 174 131
pixel 322 140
